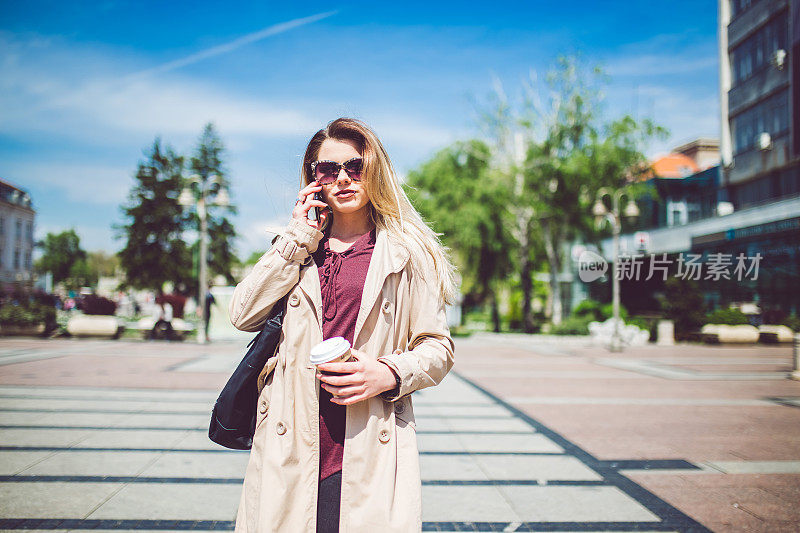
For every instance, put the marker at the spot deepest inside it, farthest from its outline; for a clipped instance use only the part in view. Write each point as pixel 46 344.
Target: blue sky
pixel 86 86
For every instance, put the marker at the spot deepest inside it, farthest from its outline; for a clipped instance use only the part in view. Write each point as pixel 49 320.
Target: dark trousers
pixel 330 493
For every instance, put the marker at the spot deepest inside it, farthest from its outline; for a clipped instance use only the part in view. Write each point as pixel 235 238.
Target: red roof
pixel 674 166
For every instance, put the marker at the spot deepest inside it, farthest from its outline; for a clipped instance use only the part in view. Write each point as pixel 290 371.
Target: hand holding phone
pixel 313 212
pixel 308 205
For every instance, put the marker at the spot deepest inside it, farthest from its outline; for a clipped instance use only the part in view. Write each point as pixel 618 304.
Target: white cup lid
pixel 329 349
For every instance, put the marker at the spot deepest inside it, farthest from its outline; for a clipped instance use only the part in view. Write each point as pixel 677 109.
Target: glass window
pixel 756 52
pixel 2 225
pixel 789 183
pixel 771 187
pixel 737 6
pixel 770 116
pixel 16 259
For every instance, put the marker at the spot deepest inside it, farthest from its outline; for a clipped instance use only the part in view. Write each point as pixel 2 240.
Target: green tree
pixel 102 263
pixel 63 256
pixel 207 162
pixel 556 150
pixel 462 199
pixel 254 257
pixel 504 129
pixel 154 251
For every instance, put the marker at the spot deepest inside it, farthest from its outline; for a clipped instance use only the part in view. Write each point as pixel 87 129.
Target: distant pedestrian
pixel 162 329
pixel 210 300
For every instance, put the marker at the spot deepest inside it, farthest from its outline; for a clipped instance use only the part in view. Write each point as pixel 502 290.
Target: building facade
pixel 740 202
pixel 17 218
pixel 692 218
pixel 760 142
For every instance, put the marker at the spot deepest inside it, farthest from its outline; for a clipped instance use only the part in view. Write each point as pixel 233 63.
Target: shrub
pixel 607 311
pixel 647 323
pixel 590 309
pixel 91 304
pixel 16 315
pixel 730 317
pixel 27 313
pixel 683 304
pixel 585 312
pixel 571 326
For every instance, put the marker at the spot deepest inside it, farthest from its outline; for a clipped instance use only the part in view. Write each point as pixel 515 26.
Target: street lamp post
pixel 201 201
pixel 614 218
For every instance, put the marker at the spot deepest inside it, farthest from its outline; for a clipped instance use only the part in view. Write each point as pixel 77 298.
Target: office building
pixel 759 96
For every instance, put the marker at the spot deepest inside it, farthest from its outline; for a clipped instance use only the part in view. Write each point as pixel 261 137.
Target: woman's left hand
pixel 364 379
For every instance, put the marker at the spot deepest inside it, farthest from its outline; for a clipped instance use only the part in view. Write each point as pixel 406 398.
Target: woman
pixel 339 452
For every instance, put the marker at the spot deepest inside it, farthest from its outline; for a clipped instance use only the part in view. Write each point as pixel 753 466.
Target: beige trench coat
pixel 381 487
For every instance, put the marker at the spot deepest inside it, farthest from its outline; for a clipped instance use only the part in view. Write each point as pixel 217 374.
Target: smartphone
pixel 313 213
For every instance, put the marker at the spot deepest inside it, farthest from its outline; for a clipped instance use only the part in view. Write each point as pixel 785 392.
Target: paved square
pixel 113 436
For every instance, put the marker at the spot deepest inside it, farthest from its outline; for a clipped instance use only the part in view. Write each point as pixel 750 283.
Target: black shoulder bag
pixel 233 420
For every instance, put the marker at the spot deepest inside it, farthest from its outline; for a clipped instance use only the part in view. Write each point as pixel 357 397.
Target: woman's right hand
pixel 305 201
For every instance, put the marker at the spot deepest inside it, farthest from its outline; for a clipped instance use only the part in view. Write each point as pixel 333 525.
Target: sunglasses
pixel 326 172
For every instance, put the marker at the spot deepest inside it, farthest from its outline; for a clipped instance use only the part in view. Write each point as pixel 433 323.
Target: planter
pixel 630 335
pixel 722 333
pixel 666 333
pixel 27 331
pixel 95 326
pixel 775 334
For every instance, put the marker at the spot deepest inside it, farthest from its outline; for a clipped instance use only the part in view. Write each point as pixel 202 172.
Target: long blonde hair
pixel 389 208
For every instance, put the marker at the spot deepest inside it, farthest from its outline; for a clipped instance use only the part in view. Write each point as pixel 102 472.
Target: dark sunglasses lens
pixel 353 168
pixel 326 172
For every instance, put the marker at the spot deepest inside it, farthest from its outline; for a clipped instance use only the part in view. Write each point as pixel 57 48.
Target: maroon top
pixel 341 276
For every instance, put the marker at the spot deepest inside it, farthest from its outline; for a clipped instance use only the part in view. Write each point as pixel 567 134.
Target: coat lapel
pixel 387 258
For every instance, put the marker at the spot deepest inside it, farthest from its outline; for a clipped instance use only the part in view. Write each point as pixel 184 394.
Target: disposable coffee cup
pixel 333 350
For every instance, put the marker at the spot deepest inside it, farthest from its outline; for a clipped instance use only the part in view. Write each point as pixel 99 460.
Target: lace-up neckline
pixel 331 267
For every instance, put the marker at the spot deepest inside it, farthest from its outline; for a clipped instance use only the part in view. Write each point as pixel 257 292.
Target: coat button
pixel 280 428
pixel 387 306
pixel 383 436
pixel 399 407
pixel 263 406
pixel 294 300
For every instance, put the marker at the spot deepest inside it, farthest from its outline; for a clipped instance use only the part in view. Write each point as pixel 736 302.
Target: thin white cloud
pixel 660 65
pixel 81 183
pixel 275 29
pixel 38 98
pixel 93 236
pixel 257 234
pixel 687 114
pixel 67 95
pixel 405 129
pixel 52 87
pixel 666 54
